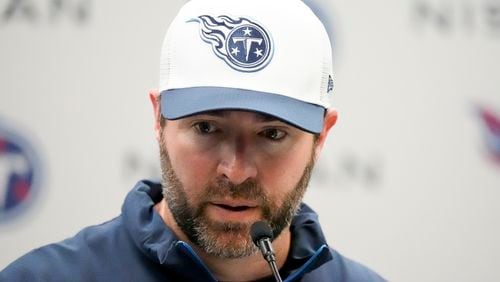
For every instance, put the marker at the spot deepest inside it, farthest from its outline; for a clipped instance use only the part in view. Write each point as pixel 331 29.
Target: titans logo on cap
pixel 243 44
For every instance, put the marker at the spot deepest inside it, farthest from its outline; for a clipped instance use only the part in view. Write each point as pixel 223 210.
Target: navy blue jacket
pixel 138 246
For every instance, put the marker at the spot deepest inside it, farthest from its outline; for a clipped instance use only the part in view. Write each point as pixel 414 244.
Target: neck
pixel 249 268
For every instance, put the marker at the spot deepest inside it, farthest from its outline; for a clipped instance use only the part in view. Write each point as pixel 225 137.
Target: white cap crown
pixel 256 48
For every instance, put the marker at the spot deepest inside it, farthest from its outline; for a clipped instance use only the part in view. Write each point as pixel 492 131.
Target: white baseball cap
pixel 268 56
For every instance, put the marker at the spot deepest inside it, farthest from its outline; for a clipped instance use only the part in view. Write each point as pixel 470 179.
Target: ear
pixel 154 96
pixel 330 120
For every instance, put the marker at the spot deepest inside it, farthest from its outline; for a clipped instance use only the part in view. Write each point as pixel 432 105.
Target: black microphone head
pixel 260 230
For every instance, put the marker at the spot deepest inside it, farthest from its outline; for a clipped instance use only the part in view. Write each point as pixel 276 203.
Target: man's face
pixel 225 170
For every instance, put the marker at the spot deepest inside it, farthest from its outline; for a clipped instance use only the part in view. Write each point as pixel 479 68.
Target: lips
pixel 235 209
pixel 235 206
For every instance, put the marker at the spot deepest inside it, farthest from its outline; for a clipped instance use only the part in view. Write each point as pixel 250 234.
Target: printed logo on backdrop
pixel 350 169
pixel 243 44
pixel 490 122
pixel 45 11
pixel 20 172
pixel 139 163
pixel 469 17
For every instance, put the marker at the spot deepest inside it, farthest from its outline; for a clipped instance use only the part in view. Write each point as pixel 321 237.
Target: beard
pixel 226 239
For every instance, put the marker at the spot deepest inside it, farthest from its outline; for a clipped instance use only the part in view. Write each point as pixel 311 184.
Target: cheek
pixel 280 174
pixel 193 166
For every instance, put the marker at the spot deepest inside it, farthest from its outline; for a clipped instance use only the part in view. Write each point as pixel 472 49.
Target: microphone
pixel 262 235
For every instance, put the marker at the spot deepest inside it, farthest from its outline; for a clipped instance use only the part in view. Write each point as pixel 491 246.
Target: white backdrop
pixel 406 183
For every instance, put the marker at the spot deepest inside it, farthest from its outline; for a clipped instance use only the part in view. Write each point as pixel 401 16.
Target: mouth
pixel 234 208
pixel 230 209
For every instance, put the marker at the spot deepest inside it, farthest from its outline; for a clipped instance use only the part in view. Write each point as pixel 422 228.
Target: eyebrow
pixel 260 117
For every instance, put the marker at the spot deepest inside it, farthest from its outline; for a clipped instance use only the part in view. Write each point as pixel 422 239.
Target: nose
pixel 237 162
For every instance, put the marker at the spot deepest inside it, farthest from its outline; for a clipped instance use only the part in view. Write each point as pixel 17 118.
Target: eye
pixel 204 127
pixel 273 134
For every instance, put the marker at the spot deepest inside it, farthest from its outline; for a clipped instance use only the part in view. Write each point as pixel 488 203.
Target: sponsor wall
pixel 409 180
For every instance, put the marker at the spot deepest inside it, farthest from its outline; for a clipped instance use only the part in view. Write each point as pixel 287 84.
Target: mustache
pixel 248 190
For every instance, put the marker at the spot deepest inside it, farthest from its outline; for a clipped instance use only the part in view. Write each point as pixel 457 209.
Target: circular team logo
pixel 248 46
pixel 243 44
pixel 20 173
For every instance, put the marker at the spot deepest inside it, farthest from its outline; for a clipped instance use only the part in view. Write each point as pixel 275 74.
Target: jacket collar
pixel 156 240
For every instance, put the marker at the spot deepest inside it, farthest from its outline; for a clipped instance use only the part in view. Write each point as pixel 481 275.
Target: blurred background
pixel 408 183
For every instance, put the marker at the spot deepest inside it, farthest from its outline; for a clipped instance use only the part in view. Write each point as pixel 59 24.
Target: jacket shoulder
pixel 343 269
pixel 65 259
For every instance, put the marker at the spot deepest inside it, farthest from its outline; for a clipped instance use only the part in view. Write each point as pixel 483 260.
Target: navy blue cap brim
pixel 183 102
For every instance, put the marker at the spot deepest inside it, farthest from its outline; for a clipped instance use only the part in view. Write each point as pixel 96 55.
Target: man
pixel 241 116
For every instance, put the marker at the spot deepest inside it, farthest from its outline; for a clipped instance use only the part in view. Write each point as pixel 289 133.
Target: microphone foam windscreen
pixel 260 230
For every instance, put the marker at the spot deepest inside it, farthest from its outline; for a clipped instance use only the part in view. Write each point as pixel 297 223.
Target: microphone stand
pixel 267 251
pixel 262 235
